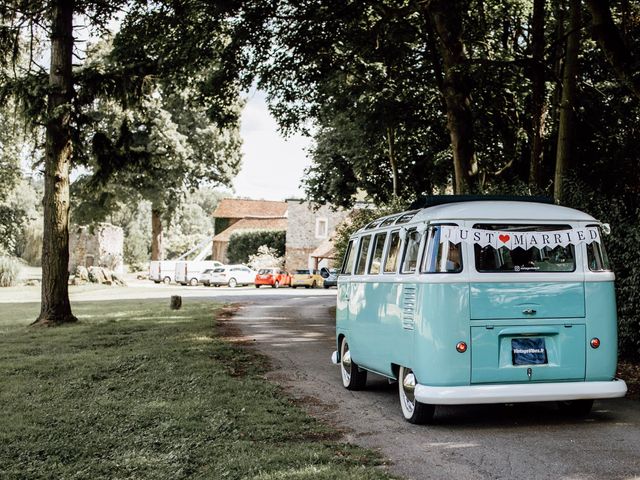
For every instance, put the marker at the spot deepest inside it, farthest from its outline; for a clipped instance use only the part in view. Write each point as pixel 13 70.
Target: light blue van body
pixel 416 319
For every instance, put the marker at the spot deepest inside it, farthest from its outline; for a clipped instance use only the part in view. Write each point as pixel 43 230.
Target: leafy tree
pixel 159 151
pixel 54 110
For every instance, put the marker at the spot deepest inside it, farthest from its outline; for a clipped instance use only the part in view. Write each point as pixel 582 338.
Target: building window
pixel 322 228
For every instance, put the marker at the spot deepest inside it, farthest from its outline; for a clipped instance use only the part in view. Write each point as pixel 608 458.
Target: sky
pixel 272 166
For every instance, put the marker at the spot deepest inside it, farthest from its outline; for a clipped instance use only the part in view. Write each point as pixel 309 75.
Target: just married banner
pixel 526 240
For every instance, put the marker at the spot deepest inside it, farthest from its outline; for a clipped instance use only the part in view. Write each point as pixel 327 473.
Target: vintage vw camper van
pixel 480 302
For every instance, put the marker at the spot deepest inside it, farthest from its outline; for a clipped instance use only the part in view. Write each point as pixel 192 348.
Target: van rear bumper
pixel 520 392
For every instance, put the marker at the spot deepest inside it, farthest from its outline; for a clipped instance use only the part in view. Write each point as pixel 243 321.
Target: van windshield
pixel 533 259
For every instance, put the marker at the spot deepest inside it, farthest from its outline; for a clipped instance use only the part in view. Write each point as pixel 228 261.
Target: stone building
pixel 98 245
pixel 234 215
pixel 309 234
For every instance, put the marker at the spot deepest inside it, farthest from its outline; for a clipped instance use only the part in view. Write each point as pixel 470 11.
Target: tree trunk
pixel 392 160
pixel 537 94
pixel 55 307
pixel 447 20
pixel 566 127
pixel 605 32
pixel 157 252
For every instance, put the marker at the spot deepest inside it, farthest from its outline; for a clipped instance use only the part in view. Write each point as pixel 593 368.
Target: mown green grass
pixel 135 390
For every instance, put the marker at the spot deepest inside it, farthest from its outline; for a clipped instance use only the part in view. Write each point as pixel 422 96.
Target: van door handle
pixel 529 311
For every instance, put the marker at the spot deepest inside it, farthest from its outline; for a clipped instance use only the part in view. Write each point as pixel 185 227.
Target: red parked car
pixel 273 277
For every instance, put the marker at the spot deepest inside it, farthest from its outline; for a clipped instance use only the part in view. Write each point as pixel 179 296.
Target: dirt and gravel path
pixel 498 441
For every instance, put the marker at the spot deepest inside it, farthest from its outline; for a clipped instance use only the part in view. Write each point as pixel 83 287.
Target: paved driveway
pixel 520 441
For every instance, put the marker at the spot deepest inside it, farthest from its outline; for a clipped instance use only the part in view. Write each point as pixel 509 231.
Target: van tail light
pixel 461 347
pixel 595 342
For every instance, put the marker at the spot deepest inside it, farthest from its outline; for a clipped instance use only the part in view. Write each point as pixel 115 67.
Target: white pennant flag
pixel 525 240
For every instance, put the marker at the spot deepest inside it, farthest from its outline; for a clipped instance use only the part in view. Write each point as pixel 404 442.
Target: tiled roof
pixel 251 224
pixel 243 208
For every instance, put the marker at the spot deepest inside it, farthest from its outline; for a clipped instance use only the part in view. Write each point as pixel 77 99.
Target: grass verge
pixel 136 390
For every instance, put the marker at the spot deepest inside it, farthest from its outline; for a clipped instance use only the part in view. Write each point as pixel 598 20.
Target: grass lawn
pixel 136 390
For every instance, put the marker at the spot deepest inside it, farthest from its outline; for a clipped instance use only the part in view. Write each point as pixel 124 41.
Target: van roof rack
pixel 433 200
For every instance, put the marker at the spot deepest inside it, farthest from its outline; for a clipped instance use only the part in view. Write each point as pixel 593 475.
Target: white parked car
pixel 231 275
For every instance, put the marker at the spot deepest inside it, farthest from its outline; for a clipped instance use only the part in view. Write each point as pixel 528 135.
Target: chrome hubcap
pixel 345 363
pixel 407 391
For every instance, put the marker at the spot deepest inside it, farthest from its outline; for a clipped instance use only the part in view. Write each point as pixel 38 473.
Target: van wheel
pixel 193 282
pixel 576 408
pixel 277 284
pixel 352 377
pixel 257 286
pixel 167 280
pixel 232 283
pixel 412 410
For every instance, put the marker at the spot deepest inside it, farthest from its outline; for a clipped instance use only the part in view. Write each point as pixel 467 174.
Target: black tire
pixel 412 410
pixel 233 283
pixel 353 377
pixel 166 280
pixel 156 281
pixel 276 284
pixel 257 286
pixel 326 287
pixel 294 286
pixel 193 282
pixel 576 408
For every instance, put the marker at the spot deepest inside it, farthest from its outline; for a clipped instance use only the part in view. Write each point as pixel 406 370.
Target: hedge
pixel 244 244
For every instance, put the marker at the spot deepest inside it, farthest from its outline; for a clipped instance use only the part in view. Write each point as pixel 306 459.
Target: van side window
pixel 597 257
pixel 445 257
pixel 376 256
pixel 362 254
pixel 411 246
pixel 347 267
pixel 391 262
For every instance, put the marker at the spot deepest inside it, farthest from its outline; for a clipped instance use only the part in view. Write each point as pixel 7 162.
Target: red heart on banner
pixel 504 238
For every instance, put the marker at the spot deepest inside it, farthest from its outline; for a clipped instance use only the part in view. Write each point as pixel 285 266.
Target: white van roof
pixel 491 210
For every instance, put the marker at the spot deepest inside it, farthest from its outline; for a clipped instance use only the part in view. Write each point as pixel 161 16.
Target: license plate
pixel 528 351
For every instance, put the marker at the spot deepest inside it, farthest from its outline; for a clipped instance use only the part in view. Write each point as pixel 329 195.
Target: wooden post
pixel 176 302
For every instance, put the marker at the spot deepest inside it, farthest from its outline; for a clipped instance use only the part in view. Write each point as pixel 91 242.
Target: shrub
pixel 242 245
pixel 265 258
pixel 9 271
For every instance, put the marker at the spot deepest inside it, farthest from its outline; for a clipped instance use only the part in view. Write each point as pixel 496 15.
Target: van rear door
pixel 527 331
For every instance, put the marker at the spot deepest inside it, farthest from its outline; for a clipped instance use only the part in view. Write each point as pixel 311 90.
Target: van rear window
pixel 547 259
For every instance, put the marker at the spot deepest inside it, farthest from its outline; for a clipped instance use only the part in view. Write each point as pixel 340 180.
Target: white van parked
pixel 231 275
pixel 190 272
pixel 162 271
